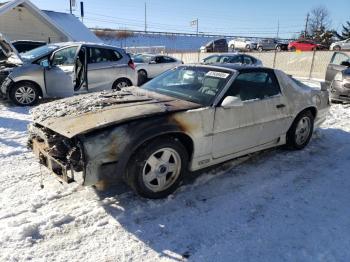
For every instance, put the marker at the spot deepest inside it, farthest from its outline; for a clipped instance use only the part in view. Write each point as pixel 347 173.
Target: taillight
pixel 131 64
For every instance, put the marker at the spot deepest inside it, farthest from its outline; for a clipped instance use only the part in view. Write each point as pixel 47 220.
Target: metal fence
pixel 312 65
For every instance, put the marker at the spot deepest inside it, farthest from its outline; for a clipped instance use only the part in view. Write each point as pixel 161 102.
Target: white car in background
pixel 242 44
pixel 341 45
pixel 150 65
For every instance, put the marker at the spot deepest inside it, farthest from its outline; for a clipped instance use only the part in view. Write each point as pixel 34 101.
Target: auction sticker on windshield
pixel 217 74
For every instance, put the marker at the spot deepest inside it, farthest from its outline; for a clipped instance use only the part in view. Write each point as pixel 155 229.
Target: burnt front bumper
pixel 61 160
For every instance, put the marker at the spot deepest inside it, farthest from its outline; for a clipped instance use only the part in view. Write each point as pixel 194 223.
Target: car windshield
pixel 38 52
pixel 142 58
pixel 200 85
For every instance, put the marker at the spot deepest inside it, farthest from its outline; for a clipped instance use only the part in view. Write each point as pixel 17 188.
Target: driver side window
pixel 65 57
pixel 254 85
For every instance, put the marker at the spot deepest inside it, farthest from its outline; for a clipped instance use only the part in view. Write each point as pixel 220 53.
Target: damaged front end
pixel 63 156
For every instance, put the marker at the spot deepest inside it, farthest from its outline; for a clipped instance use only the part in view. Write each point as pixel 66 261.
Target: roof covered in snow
pixel 67 24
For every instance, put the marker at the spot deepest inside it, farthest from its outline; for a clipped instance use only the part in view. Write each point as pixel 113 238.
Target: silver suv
pixel 68 69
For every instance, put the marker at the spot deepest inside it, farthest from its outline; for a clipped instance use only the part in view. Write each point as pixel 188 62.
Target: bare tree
pixel 319 20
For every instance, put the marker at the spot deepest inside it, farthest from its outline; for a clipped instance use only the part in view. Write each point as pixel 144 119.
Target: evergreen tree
pixel 345 34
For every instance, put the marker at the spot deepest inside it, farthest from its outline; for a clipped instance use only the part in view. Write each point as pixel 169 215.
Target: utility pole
pixel 145 17
pixel 70 7
pixel 197 25
pixel 306 24
pixel 278 29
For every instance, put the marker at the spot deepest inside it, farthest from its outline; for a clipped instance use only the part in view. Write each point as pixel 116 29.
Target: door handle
pixel 280 106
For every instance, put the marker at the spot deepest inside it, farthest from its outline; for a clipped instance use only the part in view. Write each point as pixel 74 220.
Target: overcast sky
pixel 237 17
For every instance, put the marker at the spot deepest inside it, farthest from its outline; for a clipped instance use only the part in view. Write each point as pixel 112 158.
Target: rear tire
pixel 337 48
pixel 121 83
pixel 232 47
pixel 24 94
pixel 157 168
pixel 278 48
pixel 142 77
pixel 293 49
pixel 260 49
pixel 300 133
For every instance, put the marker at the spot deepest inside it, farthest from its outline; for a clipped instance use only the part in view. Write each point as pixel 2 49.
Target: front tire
pixel 24 94
pixel 278 48
pixel 157 168
pixel 300 133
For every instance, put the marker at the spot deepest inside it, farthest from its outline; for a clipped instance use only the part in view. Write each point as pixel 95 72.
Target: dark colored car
pixel 338 77
pixel 271 44
pixel 305 45
pixel 219 46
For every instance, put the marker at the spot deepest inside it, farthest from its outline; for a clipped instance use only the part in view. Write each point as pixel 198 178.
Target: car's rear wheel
pixel 260 49
pixel 232 47
pixel 293 49
pixel 121 83
pixel 24 94
pixel 142 77
pixel 300 133
pixel 248 47
pixel 337 48
pixel 157 168
pixel 278 48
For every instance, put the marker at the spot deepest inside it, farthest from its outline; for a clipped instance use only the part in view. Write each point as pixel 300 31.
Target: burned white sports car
pixel 188 118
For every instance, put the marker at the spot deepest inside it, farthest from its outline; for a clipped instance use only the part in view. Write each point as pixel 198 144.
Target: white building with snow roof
pixel 22 20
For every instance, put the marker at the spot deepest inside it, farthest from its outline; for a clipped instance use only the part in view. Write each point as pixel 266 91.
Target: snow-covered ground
pixel 277 206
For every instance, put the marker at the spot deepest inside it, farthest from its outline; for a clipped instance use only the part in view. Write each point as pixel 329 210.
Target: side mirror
pixel 345 63
pixel 45 63
pixel 231 101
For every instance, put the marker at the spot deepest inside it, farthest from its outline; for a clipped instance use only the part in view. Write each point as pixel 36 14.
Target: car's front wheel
pixel 300 133
pixel 278 48
pixel 157 168
pixel 24 94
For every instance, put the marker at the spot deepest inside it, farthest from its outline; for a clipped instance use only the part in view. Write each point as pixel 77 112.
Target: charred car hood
pixel 85 113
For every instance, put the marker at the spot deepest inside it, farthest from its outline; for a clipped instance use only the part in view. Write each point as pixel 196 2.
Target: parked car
pixel 305 45
pixel 188 118
pixel 242 44
pixel 149 65
pixel 215 46
pixel 68 69
pixel 232 58
pixel 340 45
pixel 271 44
pixel 338 77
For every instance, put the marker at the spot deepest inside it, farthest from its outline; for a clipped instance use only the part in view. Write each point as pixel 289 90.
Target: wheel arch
pixel 38 87
pixel 312 109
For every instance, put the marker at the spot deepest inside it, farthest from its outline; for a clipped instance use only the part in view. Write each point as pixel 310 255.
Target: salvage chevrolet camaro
pixel 188 118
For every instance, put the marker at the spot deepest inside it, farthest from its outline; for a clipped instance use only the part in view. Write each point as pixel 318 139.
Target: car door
pixel 156 66
pixel 104 68
pixel 60 75
pixel 170 62
pixel 346 45
pixel 335 66
pixel 260 120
